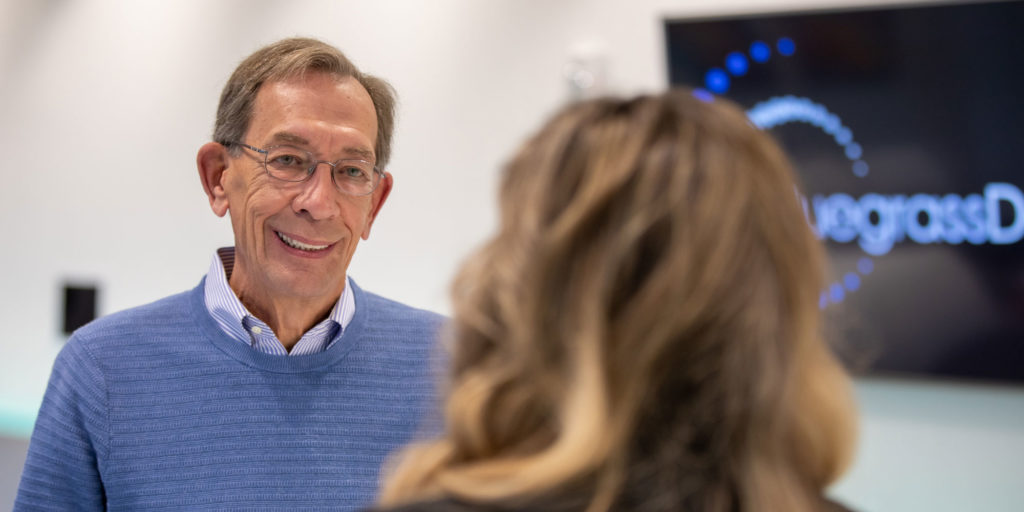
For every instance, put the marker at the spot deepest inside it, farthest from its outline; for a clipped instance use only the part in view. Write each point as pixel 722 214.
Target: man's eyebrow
pixel 291 138
pixel 365 154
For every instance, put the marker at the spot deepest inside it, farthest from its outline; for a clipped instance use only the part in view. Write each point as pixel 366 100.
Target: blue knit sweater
pixel 155 408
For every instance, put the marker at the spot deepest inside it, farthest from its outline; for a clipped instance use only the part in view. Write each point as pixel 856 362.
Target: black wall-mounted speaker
pixel 79 306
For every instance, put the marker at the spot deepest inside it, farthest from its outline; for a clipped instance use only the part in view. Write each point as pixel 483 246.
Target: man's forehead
pixel 286 137
pixel 282 106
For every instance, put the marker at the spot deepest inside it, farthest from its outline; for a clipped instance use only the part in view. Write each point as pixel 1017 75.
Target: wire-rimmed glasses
pixel 352 176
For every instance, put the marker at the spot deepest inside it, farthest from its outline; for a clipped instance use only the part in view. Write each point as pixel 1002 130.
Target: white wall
pixel 103 104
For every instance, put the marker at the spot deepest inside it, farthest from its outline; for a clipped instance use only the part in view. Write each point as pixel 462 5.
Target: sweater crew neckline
pixel 281 363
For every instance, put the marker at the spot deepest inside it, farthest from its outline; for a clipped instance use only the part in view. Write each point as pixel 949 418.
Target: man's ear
pixel 379 196
pixel 212 160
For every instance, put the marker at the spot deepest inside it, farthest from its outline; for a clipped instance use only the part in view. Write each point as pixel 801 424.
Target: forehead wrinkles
pixel 348 151
pixel 333 118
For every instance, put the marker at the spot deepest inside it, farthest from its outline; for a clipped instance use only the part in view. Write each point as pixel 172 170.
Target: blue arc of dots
pixel 849 283
pixel 789 109
pixel 718 81
pixel 786 109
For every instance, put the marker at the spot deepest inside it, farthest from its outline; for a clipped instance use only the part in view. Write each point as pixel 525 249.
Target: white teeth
pixel 299 245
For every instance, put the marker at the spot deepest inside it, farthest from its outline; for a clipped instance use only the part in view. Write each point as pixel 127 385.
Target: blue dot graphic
pixel 716 80
pixel 851 281
pixel 832 124
pixel 836 292
pixel 786 46
pixel 737 63
pixel 703 95
pixel 860 168
pixel 844 136
pixel 865 266
pixel 760 51
pixel 786 109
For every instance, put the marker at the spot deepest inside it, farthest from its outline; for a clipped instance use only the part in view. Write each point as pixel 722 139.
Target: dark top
pixel 453 505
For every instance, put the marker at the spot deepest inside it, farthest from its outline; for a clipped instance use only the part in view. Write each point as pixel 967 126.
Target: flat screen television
pixel 906 126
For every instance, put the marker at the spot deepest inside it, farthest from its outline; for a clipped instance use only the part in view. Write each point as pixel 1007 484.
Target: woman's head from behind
pixel 643 328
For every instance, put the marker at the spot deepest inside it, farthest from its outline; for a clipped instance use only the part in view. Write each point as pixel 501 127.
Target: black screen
pixel 905 127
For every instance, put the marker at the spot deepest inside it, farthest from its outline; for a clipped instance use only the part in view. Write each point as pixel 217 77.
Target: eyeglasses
pixel 352 176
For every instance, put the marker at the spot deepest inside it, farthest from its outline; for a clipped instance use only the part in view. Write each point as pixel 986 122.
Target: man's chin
pixel 311 292
pixel 283 282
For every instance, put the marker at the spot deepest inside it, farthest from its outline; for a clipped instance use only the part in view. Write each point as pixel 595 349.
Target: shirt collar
pixel 238 323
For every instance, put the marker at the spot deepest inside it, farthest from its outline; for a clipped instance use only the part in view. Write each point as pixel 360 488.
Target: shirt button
pixel 257 330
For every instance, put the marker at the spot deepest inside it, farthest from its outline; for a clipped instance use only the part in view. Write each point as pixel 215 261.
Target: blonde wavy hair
pixel 643 331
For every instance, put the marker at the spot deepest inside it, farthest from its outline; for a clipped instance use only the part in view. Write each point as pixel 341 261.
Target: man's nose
pixel 318 197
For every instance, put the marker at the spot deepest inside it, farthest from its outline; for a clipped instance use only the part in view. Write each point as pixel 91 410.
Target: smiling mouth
pixel 299 245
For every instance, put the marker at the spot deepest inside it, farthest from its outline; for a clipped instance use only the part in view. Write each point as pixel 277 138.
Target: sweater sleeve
pixel 70 439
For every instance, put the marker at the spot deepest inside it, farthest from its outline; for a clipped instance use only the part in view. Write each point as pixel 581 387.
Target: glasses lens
pixel 356 177
pixel 288 163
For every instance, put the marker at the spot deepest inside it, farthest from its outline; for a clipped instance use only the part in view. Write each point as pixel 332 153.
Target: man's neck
pixel 289 317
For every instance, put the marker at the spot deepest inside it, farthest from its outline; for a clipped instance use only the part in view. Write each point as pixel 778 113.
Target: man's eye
pixel 287 161
pixel 354 172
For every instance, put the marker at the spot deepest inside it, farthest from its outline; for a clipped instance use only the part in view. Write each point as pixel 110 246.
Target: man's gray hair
pixel 291 58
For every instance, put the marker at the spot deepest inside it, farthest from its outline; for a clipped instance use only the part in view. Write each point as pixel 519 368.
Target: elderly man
pixel 276 382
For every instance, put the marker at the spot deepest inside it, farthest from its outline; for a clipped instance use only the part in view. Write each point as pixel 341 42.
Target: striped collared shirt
pixel 239 324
